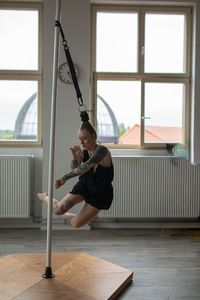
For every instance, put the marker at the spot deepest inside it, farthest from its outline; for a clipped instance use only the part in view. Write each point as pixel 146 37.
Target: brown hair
pixel 89 128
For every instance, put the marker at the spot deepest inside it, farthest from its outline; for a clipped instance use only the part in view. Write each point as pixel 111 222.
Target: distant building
pixel 26 122
pixel 107 126
pixel 153 134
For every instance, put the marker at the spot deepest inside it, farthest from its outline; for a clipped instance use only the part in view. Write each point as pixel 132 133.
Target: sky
pixel 116 52
pixel 18 50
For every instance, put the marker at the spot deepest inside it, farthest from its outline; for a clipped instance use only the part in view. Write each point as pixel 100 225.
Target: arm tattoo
pixel 74 164
pixel 83 168
pixel 99 155
pixel 96 158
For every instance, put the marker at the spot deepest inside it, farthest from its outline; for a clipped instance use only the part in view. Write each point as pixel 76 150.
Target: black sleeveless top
pixel 102 177
pixel 96 187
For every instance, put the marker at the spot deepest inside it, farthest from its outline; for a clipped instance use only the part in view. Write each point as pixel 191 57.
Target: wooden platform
pixel 78 276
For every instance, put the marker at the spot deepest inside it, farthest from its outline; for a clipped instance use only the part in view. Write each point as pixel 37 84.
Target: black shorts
pixel 99 199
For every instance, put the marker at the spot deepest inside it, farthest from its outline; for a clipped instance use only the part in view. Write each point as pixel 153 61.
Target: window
pixel 20 74
pixel 141 75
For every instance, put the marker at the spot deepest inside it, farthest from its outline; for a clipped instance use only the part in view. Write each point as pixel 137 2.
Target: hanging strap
pixel 71 65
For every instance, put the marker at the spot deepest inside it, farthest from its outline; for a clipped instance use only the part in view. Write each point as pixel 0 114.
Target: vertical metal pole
pixel 48 271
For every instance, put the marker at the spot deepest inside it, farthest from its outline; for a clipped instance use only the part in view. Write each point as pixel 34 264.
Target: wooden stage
pixel 78 276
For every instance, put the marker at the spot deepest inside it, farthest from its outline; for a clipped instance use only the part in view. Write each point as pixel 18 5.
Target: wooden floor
pixel 166 263
pixel 77 275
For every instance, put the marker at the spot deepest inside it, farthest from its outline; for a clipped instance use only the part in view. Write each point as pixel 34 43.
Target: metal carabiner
pixel 65 44
pixel 82 108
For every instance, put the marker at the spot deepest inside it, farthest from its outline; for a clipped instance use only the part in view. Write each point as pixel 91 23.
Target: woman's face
pixel 88 142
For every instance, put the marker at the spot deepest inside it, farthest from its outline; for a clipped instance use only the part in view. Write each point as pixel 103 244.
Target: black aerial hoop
pixel 82 108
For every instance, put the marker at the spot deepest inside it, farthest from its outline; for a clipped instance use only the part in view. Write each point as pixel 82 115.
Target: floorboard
pixel 166 263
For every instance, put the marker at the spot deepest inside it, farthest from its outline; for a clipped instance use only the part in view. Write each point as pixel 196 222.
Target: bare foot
pixel 43 197
pixel 67 216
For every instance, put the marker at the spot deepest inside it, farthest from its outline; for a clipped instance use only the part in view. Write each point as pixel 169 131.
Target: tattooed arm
pixel 77 156
pixel 74 164
pixel 96 158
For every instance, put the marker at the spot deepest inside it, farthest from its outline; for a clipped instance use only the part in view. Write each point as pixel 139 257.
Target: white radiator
pixel 15 185
pixel 146 187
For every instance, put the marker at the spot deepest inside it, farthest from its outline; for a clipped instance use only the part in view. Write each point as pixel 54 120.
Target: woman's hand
pixel 77 154
pixel 60 181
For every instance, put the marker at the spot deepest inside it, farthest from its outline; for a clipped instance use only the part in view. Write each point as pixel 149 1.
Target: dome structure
pixel 107 126
pixel 26 122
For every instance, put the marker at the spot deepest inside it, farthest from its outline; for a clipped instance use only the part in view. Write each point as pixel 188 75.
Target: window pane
pixel 117 42
pixel 19 40
pixel 118 112
pixel 164 43
pixel 164 106
pixel 19 110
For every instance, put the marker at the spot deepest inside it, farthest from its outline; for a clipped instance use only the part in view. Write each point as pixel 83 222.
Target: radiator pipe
pixel 48 272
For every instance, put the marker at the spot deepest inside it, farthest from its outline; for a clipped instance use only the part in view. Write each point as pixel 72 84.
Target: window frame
pixel 142 76
pixel 26 75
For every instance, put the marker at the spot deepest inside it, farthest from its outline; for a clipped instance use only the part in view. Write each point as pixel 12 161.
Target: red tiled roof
pixel 154 134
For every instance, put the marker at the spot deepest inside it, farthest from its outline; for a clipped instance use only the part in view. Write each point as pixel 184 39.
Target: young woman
pixel 93 165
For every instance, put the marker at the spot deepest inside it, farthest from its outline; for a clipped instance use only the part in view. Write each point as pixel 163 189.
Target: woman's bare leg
pixel 86 214
pixel 64 205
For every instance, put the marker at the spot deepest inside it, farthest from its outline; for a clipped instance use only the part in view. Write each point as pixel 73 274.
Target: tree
pixel 6 134
pixel 122 129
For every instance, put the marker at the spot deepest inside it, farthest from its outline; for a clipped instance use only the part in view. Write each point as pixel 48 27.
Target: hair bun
pixel 84 116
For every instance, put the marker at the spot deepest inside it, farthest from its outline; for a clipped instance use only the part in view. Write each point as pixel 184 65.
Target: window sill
pixel 139 153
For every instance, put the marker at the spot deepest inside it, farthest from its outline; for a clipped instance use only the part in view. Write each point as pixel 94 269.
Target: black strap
pixel 71 65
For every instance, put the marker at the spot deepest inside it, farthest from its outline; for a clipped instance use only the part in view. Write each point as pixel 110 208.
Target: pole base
pixel 48 273
pixel 93 278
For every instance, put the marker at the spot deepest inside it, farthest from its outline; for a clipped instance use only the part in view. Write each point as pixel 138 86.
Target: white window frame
pixel 26 75
pixel 184 78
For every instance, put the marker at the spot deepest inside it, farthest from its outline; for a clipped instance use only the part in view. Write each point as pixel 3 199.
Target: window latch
pixel 146 118
pixel 142 50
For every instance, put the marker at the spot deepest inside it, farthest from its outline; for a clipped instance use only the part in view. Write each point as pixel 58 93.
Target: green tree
pixel 6 134
pixel 122 129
